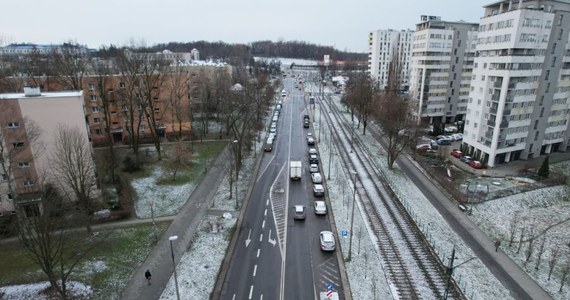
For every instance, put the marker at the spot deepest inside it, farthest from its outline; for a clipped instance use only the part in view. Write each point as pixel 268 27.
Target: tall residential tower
pixel 519 101
pixel 382 47
pixel 442 61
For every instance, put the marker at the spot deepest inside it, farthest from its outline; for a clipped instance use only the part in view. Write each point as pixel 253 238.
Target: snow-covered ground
pixel 35 291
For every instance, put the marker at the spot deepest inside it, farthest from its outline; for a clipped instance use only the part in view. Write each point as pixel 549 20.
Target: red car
pixel 475 164
pixel 457 153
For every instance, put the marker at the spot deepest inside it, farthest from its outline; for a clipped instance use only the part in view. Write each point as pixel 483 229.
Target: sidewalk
pixel 159 260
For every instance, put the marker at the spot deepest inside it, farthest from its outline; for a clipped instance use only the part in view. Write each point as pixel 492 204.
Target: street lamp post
pixel 235 142
pixel 330 154
pixel 352 214
pixel 174 238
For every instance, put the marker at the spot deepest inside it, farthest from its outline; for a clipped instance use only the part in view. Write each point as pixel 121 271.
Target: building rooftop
pixel 11 96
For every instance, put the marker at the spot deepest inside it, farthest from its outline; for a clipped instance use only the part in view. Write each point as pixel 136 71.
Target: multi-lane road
pixel 277 257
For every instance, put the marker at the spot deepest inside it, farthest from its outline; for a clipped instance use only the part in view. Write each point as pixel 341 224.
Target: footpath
pixel 184 224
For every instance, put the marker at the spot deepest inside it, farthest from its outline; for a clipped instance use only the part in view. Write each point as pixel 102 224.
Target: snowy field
pixel 35 291
pixel 544 214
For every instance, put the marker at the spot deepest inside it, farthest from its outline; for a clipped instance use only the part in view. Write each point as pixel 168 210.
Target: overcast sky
pixel 342 24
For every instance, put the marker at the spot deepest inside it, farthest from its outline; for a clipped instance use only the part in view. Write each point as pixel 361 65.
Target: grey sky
pixel 343 24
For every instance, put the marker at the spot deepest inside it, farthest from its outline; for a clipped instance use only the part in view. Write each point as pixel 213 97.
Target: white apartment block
pixel 382 45
pixel 442 62
pixel 519 102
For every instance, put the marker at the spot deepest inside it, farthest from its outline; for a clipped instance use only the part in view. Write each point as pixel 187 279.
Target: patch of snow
pixel 34 291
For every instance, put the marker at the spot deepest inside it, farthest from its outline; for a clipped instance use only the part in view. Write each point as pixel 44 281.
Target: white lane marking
pixel 265 212
pixel 261 237
pixel 258 251
pixel 250 291
pixel 267 202
pixel 263 224
pixel 254 270
pixel 234 297
pixel 261 297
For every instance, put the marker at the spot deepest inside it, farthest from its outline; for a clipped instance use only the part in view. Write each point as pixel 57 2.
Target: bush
pixel 131 165
pixel 544 171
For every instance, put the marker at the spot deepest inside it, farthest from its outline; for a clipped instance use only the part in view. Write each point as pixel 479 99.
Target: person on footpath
pixel 148 276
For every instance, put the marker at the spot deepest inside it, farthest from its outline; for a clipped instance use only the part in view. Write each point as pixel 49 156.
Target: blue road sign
pixel 329 286
pixel 344 233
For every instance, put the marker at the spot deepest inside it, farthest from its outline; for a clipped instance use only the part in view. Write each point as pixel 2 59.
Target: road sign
pixel 329 294
pixel 344 233
pixel 329 286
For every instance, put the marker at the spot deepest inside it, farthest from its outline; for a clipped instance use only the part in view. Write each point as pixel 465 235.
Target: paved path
pixel 159 260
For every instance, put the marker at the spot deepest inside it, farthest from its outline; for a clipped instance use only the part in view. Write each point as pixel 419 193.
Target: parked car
pixel 312 151
pixel 457 136
pixel 443 142
pixel 318 190
pixel 313 168
pixel 313 159
pixel 269 145
pixel 273 130
pixel 456 153
pixel 310 141
pixel 299 212
pixel 475 164
pixel 306 123
pixel 433 144
pixel 466 159
pixel 317 178
pixel 320 208
pixel 423 147
pixel 327 241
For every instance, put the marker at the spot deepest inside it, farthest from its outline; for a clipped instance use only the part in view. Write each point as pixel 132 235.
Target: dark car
pixel 443 142
pixel 466 159
pixel 313 159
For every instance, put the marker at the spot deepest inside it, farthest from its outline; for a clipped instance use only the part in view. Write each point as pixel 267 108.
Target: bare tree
pixel 72 163
pixel 540 252
pixel 393 112
pixel 564 274
pixel 530 248
pixel 103 71
pixel 178 86
pixel 70 65
pixel 179 157
pixel 513 227
pixel 20 142
pixel 521 239
pixel 554 255
pixel 48 240
pixel 361 97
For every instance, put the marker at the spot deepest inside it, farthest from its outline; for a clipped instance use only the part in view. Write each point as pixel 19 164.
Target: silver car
pixel 318 190
pixel 313 168
pixel 317 178
pixel 320 208
pixel 327 241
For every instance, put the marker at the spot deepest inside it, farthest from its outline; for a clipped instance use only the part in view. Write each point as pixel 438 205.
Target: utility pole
pixel 352 215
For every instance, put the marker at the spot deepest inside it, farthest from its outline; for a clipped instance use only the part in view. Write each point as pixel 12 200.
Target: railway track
pixel 412 266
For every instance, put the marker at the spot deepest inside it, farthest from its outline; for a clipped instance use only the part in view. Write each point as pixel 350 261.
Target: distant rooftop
pixel 13 96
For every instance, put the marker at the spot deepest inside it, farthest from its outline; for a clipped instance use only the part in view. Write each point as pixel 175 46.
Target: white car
pixel 317 178
pixel 313 168
pixel 320 208
pixel 312 151
pixel 318 190
pixel 327 241
pixel 310 141
pixel 273 130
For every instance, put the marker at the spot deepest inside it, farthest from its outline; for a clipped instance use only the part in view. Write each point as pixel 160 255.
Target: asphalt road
pixel 277 257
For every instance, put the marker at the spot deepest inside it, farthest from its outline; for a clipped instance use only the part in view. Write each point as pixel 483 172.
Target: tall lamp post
pixel 352 214
pixel 174 238
pixel 234 146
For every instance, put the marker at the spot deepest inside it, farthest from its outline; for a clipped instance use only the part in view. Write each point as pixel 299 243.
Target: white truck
pixel 296 167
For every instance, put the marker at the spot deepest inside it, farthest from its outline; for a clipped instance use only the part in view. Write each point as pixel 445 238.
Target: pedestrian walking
pixel 497 244
pixel 148 276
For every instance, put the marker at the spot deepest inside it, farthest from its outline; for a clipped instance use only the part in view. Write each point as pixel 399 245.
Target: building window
pixel 91 86
pixel 24 164
pixel 18 145
pixel 5 177
pixel 95 109
pixel 97 120
pixel 13 125
pixel 97 131
pixel 93 98
pixel 122 85
pixel 28 183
